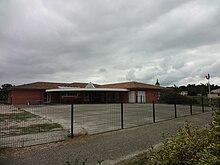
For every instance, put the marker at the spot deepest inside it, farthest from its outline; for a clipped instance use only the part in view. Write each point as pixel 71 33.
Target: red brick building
pixel 60 93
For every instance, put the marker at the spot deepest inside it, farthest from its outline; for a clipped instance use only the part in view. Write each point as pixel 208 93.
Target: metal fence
pixel 36 124
pixel 28 125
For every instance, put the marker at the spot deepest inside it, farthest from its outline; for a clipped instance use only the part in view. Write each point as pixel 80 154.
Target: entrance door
pixel 47 98
pixel 141 97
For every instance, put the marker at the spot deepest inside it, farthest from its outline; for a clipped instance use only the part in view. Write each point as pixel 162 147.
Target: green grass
pixel 22 116
pixel 18 116
pixel 37 128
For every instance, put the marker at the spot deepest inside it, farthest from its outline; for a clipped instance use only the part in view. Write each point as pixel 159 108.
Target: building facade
pixel 64 93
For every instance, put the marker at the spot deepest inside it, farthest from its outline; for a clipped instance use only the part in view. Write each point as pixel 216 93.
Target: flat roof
pixel 87 90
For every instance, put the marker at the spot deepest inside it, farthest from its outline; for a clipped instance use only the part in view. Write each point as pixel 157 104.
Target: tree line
pixel 195 90
pixel 194 94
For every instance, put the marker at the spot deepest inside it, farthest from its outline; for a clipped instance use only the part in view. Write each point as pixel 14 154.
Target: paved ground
pixel 110 146
pixel 98 118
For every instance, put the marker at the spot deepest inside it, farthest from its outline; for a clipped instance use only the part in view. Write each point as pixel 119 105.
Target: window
pixel 87 97
pixel 46 97
pixel 69 94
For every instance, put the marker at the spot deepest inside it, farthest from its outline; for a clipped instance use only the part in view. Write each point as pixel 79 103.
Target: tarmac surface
pixel 99 118
pixel 112 147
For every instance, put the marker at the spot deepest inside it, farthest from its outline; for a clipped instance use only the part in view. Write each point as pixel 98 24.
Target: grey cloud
pixel 102 70
pixel 131 75
pixel 106 41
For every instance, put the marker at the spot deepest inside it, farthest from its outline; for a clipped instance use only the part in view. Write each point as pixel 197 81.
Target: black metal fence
pixel 36 124
pixel 30 125
pixel 98 118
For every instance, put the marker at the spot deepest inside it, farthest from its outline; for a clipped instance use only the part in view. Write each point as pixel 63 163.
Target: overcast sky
pixel 107 41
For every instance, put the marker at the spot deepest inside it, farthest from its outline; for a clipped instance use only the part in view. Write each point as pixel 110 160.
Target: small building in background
pixel 184 93
pixel 214 94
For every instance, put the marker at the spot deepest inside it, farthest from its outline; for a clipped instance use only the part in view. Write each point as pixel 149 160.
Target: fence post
pixel 71 120
pixel 203 105
pixel 175 110
pixel 122 116
pixel 190 107
pixel 219 103
pixel 154 112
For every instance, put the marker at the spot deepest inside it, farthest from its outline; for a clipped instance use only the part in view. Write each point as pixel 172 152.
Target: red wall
pixel 35 97
pixel 124 98
pixel 25 96
pixel 9 97
pixel 151 95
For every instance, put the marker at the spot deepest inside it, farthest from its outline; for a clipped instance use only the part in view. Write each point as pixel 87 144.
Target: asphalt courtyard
pixel 98 118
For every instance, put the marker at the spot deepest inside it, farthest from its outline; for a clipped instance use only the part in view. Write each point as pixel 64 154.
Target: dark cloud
pixel 102 70
pixel 107 41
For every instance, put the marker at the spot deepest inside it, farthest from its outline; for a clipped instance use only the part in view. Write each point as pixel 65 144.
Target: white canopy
pixel 87 90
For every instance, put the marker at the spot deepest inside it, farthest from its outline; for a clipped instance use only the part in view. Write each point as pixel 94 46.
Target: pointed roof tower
pixel 90 85
pixel 157 83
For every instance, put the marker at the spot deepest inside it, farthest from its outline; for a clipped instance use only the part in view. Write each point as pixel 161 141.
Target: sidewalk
pixel 110 147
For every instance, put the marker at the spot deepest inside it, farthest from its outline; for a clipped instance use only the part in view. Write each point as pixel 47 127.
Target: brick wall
pixel 25 96
pixel 124 97
pixel 151 95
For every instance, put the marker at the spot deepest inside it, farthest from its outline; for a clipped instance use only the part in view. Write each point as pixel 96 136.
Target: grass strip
pixel 36 128
pixel 18 116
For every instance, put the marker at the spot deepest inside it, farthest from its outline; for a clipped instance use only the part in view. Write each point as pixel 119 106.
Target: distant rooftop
pixel 132 85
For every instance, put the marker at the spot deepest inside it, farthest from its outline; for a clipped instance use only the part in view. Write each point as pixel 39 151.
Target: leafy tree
pixel 203 89
pixel 194 90
pixel 171 97
pixel 4 91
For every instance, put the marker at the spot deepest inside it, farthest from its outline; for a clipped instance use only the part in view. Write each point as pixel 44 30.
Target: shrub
pixel 191 145
pixel 172 97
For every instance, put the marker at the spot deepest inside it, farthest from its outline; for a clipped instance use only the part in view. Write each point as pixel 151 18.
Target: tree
pixel 4 91
pixel 192 90
pixel 195 90
pixel 171 97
